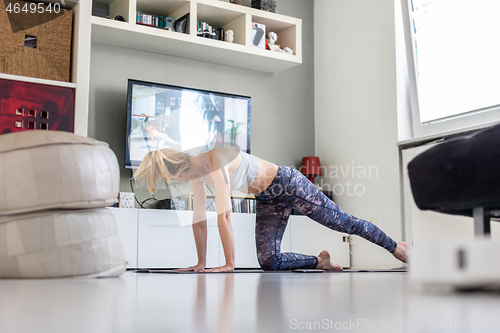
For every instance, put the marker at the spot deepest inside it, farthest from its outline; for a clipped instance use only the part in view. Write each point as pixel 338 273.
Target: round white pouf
pixel 52 169
pixel 61 244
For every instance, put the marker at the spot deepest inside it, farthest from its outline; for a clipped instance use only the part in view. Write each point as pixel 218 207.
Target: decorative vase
pixel 229 36
pixel 267 5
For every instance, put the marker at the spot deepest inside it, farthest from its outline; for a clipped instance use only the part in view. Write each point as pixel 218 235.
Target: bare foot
pixel 325 263
pixel 402 252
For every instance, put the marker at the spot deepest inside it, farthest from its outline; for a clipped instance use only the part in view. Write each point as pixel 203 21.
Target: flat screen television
pixel 194 120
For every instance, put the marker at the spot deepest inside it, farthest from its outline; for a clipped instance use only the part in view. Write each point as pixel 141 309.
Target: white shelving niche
pixel 241 53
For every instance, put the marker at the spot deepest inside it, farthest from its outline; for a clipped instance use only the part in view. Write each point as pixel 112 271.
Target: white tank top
pixel 245 174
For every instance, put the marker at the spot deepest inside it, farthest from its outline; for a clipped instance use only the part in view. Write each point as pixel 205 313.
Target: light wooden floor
pixel 243 302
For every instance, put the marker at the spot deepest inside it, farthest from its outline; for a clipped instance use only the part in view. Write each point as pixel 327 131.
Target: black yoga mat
pixel 171 271
pixel 397 269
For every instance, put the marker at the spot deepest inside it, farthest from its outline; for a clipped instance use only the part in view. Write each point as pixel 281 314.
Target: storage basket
pixel 35 45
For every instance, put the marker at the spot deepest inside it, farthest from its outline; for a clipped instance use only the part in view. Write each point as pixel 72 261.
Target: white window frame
pixel 460 123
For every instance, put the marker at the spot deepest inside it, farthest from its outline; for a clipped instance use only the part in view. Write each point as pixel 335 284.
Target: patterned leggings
pixel 291 189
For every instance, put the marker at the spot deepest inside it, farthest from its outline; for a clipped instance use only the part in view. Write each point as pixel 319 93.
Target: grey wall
pixel 356 115
pixel 282 124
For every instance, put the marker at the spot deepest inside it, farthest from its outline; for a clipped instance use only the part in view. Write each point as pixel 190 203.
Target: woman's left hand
pixel 225 268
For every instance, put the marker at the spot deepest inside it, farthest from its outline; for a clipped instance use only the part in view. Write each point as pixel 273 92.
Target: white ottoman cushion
pixel 52 169
pixel 61 243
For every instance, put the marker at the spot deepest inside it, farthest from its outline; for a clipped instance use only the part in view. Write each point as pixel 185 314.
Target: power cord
pixel 160 203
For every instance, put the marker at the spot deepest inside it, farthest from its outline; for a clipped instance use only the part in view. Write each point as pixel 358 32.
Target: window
pixel 456 64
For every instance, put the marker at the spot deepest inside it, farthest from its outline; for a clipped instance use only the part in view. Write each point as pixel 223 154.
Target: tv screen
pixel 161 116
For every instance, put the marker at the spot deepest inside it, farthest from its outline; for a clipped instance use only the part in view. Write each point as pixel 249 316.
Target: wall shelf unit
pixel 239 54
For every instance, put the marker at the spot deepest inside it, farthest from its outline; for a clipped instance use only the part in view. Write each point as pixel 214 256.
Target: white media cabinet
pixel 156 239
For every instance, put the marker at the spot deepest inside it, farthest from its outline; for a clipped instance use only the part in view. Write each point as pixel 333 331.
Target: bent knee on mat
pixel 269 263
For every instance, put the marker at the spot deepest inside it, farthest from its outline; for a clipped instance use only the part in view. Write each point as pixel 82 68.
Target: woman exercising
pixel 277 190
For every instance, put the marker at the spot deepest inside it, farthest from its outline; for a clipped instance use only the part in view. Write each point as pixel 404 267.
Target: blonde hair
pixel 161 164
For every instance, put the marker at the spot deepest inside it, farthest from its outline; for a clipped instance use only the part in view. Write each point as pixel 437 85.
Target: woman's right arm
pixel 199 224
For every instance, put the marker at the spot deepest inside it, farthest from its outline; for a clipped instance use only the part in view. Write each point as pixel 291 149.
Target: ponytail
pixel 161 164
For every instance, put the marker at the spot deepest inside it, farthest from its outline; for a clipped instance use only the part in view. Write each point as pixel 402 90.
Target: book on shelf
pixel 157 21
pixel 209 31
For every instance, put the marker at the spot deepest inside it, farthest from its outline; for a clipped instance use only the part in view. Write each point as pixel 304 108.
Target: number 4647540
pixel 33 8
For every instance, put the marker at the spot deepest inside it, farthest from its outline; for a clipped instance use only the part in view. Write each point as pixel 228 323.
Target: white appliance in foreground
pixel 462 264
